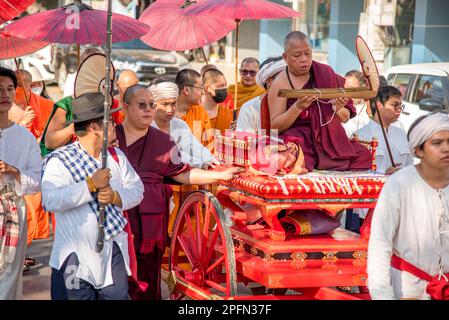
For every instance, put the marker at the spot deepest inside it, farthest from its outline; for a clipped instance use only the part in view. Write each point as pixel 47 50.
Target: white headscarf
pixel 426 128
pixel 164 90
pixel 269 70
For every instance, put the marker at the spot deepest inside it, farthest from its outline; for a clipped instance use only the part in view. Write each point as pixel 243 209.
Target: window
pixel 429 87
pixel 402 82
pixel 317 20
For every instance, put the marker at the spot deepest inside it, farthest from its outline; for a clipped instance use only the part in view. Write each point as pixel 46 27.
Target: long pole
pixel 107 105
pixel 23 83
pixel 236 71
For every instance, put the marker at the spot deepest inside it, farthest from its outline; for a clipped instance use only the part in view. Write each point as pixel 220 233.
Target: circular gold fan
pixel 368 64
pixel 91 75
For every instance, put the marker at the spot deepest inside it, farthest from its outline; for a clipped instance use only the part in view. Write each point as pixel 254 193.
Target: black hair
pixel 186 77
pixel 383 95
pixel 130 91
pixel 5 72
pixel 81 127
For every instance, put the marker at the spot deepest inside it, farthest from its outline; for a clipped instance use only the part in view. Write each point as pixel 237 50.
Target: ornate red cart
pixel 214 249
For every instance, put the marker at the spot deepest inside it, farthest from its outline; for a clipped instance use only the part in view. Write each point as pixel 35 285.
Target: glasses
pixel 251 73
pixel 399 107
pixel 144 106
pixel 198 87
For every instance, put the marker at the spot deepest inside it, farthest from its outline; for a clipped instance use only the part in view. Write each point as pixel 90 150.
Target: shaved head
pixel 131 92
pixel 208 67
pixel 294 36
pixel 126 79
pixel 211 76
pixel 25 75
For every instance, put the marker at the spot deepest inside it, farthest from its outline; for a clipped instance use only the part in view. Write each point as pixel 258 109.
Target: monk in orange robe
pixel 220 114
pixel 35 117
pixel 247 88
pixel 189 106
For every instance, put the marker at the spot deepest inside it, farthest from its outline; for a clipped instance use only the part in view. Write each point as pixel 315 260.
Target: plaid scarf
pixel 9 228
pixel 81 165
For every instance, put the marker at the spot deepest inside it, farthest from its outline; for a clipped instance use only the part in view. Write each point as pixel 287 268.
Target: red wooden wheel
pixel 202 236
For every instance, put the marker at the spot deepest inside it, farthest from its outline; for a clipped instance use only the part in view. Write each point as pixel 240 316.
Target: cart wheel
pixel 202 236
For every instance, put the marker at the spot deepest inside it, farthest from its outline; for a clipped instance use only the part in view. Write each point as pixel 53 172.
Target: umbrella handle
pixel 234 114
pixel 21 80
pixel 204 55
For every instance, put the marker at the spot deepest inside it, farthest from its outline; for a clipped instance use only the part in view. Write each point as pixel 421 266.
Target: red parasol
pixel 12 47
pixel 172 29
pixel 76 23
pixel 239 10
pixel 12 8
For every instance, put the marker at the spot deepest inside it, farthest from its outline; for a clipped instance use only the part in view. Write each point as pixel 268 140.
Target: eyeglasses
pixel 399 107
pixel 251 73
pixel 144 106
pixel 198 87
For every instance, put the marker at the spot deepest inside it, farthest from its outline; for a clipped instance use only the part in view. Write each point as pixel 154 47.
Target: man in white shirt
pixel 389 104
pixel 20 164
pixel 410 225
pixel 249 114
pixel 192 152
pixel 73 185
pixel 356 79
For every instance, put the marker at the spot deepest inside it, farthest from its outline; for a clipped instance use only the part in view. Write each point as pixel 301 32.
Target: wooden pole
pixel 21 80
pixel 236 71
pixel 107 106
pixel 390 154
pixel 204 55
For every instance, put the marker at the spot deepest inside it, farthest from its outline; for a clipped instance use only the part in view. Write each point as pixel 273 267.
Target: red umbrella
pixel 76 23
pixel 12 8
pixel 241 10
pixel 172 29
pixel 12 47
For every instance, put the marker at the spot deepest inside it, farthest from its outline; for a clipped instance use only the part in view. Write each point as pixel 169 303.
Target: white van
pixel 424 88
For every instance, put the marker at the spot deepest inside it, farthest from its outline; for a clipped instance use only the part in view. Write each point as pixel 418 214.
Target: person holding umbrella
pixel 73 186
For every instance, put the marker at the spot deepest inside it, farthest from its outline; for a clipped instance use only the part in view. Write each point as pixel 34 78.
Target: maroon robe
pixel 150 156
pixel 326 147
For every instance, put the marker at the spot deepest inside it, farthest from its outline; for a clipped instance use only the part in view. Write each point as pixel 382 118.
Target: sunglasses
pixel 251 73
pixel 144 106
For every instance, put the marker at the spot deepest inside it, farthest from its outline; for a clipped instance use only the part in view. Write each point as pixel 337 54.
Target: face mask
pixel 220 95
pixel 37 90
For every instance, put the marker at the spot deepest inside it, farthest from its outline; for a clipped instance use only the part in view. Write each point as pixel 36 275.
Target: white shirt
pixel 192 151
pixel 69 86
pixel 77 226
pixel 405 221
pixel 249 115
pixel 397 139
pixel 18 148
pixel 359 121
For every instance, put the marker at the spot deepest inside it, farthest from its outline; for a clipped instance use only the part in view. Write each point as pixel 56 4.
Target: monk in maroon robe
pixel 153 155
pixel 316 125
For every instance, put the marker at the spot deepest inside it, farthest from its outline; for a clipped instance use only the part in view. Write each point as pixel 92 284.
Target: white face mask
pixel 37 90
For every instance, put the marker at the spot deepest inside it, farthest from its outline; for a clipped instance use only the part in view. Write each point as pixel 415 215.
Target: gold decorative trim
pixel 360 255
pixel 298 256
pixel 330 256
pixel 254 251
pixel 334 208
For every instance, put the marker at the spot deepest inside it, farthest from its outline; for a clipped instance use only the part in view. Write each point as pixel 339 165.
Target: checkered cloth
pixel 81 165
pixel 9 228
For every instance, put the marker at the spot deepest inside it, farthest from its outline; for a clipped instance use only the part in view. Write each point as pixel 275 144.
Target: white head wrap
pixel 164 90
pixel 426 128
pixel 269 70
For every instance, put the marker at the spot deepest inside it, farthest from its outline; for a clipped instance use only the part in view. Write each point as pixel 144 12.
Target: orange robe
pixel 245 93
pixel 197 119
pixel 223 119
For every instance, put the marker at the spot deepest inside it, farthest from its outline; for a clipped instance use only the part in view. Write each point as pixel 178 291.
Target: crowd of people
pixel 161 145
